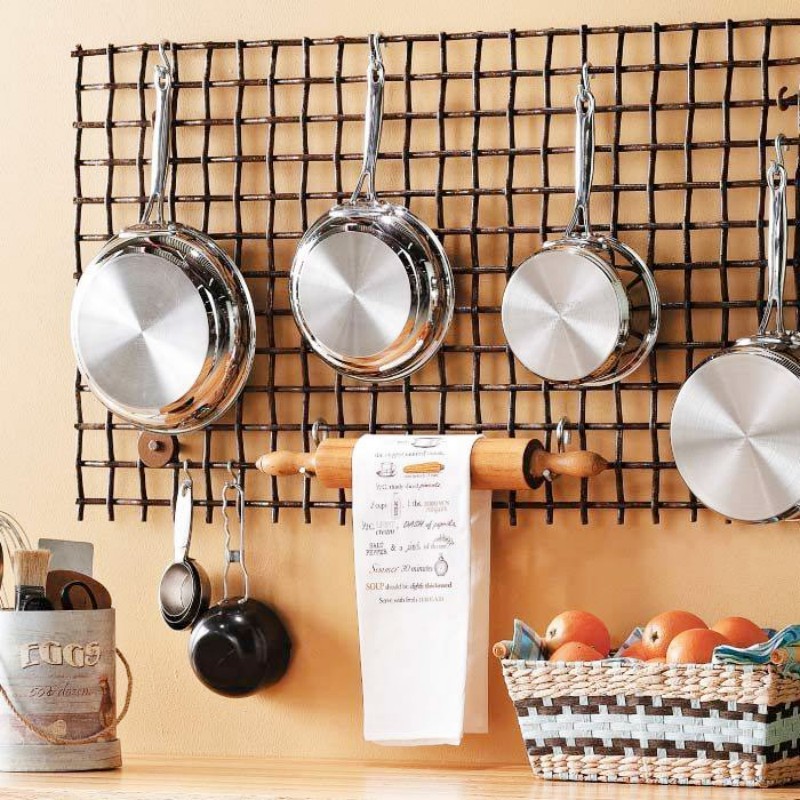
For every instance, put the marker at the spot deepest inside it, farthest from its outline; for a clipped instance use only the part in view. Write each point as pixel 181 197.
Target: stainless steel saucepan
pixel 370 286
pixel 736 421
pixel 584 310
pixel 163 325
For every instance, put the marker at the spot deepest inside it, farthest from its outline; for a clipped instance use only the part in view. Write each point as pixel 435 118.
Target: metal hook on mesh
pixel 163 46
pixel 186 481
pixel 234 556
pixel 563 437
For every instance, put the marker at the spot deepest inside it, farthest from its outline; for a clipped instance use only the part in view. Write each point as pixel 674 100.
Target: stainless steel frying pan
pixel 370 287
pixel 736 421
pixel 162 321
pixel 584 310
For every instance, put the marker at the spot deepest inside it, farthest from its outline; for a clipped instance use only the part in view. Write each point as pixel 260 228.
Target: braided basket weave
pixel 709 724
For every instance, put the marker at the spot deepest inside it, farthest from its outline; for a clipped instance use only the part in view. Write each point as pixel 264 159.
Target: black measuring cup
pixel 185 590
pixel 240 644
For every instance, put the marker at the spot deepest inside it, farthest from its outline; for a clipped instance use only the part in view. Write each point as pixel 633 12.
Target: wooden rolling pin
pixel 495 463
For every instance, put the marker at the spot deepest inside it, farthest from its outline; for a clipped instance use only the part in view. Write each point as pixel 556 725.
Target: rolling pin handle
pixel 577 463
pixel 285 462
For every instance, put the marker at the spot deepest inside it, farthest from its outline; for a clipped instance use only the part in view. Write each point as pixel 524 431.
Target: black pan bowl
pixel 239 647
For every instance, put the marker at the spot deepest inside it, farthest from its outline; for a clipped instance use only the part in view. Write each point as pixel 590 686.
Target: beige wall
pixel 623 573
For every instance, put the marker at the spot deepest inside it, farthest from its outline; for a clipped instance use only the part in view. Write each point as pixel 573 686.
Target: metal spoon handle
pixel 183 521
pixel 584 154
pixel 776 245
pixel 373 120
pixel 162 81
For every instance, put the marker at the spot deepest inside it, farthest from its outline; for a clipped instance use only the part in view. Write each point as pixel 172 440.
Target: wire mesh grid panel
pixel 478 141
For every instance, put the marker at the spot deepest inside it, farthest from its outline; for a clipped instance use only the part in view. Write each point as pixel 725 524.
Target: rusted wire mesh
pixel 478 141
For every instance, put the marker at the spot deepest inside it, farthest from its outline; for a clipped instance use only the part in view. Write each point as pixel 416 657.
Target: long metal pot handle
pixel 776 246
pixel 584 154
pixel 373 120
pixel 162 82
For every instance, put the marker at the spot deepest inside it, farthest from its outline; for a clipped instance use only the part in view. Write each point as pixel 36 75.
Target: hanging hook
pixel 777 170
pixel 186 483
pixel 319 431
pixel 783 102
pixel 163 46
pixel 779 148
pixel 375 55
pixel 584 84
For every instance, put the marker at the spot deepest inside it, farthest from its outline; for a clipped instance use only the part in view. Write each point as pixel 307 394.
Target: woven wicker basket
pixel 626 722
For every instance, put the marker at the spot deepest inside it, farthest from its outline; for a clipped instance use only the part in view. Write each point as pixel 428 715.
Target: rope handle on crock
pixel 58 740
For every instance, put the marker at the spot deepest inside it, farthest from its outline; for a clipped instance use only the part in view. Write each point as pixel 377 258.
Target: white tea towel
pixel 422 542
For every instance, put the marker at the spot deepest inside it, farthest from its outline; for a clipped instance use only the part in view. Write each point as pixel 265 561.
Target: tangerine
pixel 663 628
pixel 578 626
pixel 576 651
pixel 695 646
pixel 740 631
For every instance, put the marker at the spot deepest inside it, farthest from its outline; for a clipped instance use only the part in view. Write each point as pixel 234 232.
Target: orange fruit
pixel 577 626
pixel 694 646
pixel 657 660
pixel 663 628
pixel 576 651
pixel 636 650
pixel 740 632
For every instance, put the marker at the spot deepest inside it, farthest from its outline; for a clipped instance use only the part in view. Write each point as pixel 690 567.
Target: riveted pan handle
pixel 584 154
pixel 776 246
pixel 162 81
pixel 373 119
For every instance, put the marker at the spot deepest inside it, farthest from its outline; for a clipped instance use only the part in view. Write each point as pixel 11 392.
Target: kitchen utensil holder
pixel 709 96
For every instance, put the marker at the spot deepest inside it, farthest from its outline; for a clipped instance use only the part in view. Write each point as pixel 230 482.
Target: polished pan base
pixel 736 435
pixel 355 293
pixel 143 330
pixel 561 315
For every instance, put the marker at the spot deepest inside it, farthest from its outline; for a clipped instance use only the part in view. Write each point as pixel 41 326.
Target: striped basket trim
pixel 656 707
pixel 646 769
pixel 756 684
pixel 665 749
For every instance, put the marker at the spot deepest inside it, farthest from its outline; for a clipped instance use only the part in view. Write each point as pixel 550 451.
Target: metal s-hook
pixel 163 45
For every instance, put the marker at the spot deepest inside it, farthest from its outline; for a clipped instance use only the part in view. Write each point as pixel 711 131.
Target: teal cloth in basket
pixel 788 638
pixel 527 644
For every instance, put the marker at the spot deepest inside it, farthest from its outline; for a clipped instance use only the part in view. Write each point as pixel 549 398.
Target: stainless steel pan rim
pixel 371 288
pixel 162 322
pixel 735 428
pixel 585 309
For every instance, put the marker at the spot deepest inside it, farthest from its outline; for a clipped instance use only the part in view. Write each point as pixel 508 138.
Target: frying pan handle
pixel 234 556
pixel 776 245
pixel 373 119
pixel 162 81
pixel 584 154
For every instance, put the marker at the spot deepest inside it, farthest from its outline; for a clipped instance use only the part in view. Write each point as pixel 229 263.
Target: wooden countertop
pixel 173 778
